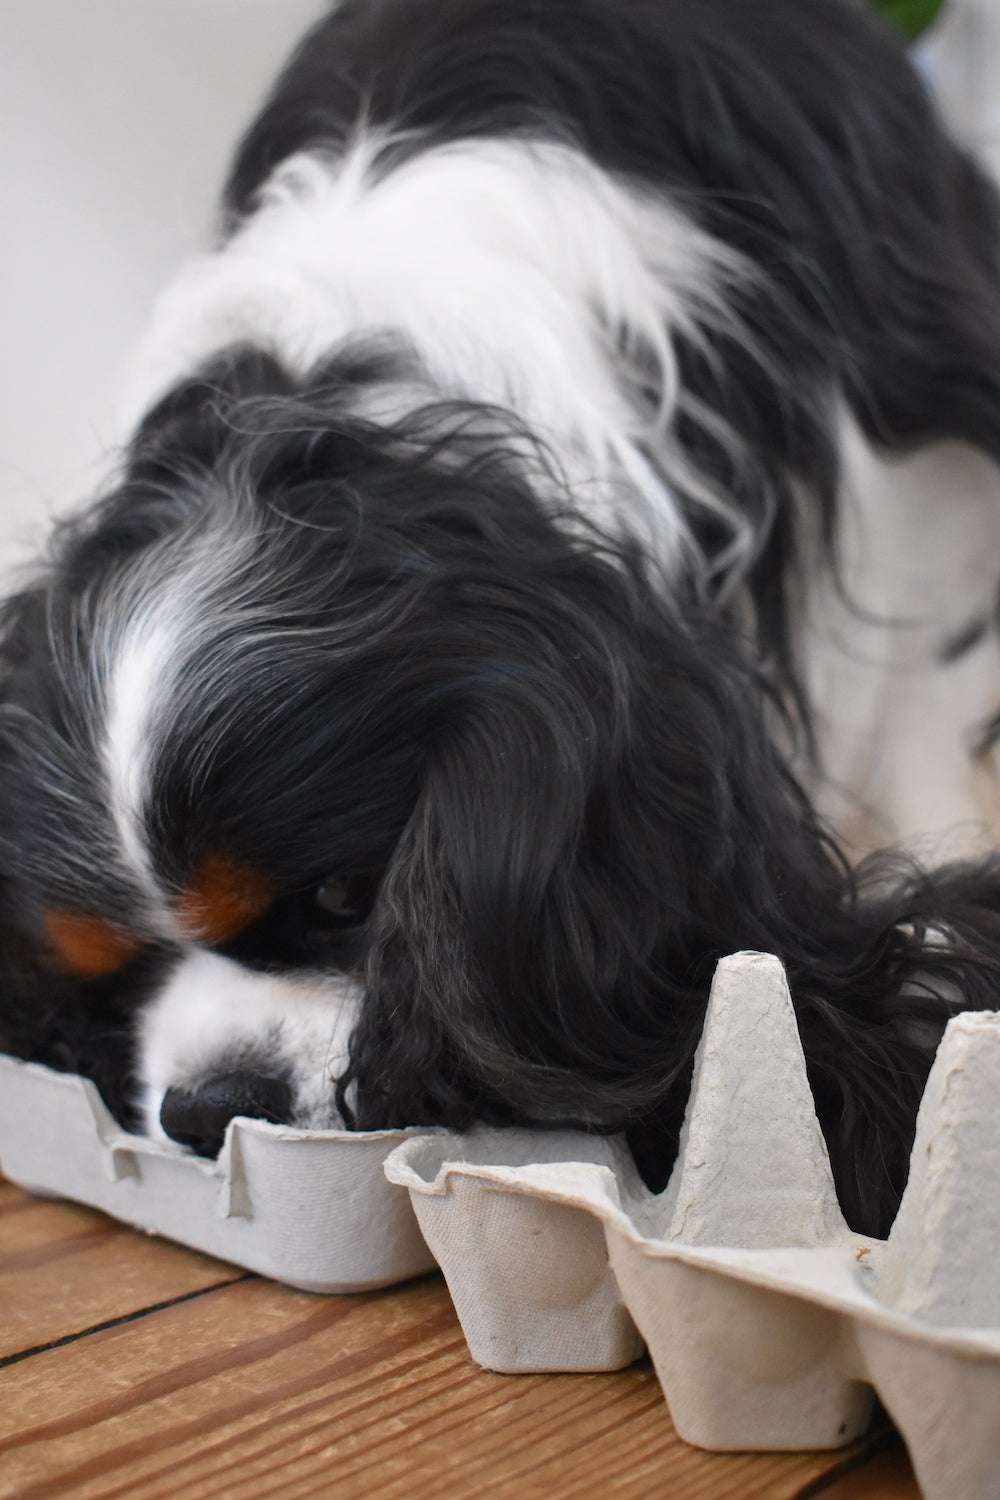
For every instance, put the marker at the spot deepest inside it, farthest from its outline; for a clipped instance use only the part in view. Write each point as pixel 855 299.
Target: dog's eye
pixel 345 898
pixel 333 896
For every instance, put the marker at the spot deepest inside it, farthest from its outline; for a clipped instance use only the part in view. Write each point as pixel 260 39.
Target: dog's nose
pixel 198 1118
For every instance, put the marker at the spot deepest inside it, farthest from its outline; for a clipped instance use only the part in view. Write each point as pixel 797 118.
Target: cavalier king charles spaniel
pixel 450 675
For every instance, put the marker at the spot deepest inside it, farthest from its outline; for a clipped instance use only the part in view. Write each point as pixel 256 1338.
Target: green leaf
pixel 910 16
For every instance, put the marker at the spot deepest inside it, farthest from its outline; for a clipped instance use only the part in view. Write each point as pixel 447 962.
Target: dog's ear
pixel 547 927
pixel 47 1015
pixel 71 1025
pixel 477 932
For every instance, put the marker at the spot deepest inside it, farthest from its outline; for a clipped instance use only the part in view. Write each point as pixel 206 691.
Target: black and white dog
pixel 444 686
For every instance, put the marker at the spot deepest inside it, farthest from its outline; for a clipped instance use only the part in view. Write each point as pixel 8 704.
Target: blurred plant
pixel 910 16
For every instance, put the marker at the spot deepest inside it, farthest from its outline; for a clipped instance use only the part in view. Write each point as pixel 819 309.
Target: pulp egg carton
pixel 770 1324
pixel 310 1208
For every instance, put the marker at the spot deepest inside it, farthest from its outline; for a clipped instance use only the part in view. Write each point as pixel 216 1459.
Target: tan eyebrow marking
pixel 88 947
pixel 225 895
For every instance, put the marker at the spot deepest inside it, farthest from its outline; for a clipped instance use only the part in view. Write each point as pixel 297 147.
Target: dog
pixel 461 661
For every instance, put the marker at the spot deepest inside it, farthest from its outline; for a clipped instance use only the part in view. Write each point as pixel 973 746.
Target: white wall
pixel 116 122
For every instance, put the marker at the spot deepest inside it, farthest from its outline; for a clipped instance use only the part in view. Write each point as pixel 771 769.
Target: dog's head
pixel 338 767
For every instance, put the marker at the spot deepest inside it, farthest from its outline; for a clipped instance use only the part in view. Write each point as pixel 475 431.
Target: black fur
pixel 791 132
pixel 553 778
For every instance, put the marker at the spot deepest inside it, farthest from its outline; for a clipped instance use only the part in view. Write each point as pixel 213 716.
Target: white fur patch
pixel 135 688
pixel 520 273
pixel 212 1015
pixel 163 617
pixel 896 722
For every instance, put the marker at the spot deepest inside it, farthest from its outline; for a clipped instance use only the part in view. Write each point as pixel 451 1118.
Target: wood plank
pixel 887 1476
pixel 64 1269
pixel 254 1389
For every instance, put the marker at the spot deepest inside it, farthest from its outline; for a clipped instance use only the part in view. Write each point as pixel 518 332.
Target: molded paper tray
pixel 770 1324
pixel 309 1208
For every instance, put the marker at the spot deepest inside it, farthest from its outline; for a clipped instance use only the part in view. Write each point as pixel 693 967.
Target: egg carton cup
pixel 310 1208
pixel 771 1324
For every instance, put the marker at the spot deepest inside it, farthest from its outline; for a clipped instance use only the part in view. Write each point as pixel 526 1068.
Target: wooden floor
pixel 132 1368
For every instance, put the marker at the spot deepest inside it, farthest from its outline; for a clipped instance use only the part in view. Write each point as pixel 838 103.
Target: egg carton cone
pixel 310 1208
pixel 771 1325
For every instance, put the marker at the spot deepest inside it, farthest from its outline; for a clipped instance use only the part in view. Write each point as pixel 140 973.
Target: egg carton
pixel 310 1208
pixel 770 1324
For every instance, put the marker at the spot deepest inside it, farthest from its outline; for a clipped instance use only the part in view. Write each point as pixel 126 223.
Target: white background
pixel 117 118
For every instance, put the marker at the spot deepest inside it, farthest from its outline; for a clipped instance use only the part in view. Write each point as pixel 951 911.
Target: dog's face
pixel 218 712
pixel 318 732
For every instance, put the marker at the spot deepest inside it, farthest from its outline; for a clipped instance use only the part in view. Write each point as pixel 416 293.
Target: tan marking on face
pixel 225 895
pixel 88 947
